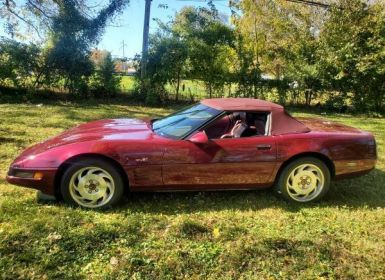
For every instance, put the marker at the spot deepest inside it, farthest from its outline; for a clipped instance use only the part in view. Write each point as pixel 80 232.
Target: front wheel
pixel 304 180
pixel 92 183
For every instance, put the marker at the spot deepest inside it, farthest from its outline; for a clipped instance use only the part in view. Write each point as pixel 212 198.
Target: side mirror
pixel 199 138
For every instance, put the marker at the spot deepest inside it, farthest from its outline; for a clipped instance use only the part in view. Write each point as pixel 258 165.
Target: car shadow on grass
pixel 363 192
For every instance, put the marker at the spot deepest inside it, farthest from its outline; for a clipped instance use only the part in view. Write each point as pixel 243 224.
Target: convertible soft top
pixel 244 104
pixel 281 121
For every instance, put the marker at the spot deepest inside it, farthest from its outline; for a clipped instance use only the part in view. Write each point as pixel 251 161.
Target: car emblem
pixel 144 159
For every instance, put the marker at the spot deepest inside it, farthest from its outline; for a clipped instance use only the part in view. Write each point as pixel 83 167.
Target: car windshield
pixel 182 123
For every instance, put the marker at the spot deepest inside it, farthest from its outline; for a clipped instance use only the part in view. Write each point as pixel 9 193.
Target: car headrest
pixel 260 127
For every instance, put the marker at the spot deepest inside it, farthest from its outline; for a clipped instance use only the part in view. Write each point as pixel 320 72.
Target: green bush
pixel 336 103
pixel 18 62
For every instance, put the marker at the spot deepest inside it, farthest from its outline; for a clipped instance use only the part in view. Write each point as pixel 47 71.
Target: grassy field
pixel 188 88
pixel 213 235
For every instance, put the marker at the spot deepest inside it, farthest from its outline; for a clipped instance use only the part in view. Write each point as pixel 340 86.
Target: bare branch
pixel 38 8
pixel 29 23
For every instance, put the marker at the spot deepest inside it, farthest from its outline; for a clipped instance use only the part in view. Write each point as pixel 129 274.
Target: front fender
pixel 54 157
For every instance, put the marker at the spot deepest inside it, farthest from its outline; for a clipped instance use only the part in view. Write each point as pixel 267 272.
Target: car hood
pixel 109 129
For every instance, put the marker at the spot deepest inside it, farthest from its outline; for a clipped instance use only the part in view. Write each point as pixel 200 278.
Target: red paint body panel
pixel 155 163
pixel 221 161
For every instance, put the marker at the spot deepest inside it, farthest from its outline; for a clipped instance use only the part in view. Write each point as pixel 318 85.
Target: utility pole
pixel 146 29
pixel 123 60
pixel 122 47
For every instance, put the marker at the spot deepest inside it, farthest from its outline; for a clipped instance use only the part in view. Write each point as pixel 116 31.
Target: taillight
pixel 373 147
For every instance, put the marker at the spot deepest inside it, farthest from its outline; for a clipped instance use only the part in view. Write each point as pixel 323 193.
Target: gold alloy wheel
pixel 305 182
pixel 91 187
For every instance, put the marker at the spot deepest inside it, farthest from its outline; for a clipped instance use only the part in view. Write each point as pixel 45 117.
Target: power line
pixel 311 3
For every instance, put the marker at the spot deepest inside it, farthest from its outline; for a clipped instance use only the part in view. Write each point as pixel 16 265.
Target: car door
pixel 220 163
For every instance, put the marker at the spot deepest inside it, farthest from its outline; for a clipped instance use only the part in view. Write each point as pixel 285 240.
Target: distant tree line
pixel 276 49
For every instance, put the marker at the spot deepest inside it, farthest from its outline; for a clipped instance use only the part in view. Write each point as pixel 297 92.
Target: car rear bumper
pixel 25 178
pixel 353 168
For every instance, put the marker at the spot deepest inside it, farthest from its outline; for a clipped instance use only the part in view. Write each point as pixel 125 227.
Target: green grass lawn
pixel 213 235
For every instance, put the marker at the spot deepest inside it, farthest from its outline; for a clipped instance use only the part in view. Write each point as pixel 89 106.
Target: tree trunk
pixel 255 90
pixel 308 97
pixel 210 91
pixel 37 81
pixel 177 86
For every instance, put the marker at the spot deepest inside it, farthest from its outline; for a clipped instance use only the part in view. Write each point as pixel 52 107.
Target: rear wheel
pixel 92 183
pixel 304 180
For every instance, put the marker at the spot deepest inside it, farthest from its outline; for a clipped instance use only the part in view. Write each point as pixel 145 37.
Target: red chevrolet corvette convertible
pixel 229 143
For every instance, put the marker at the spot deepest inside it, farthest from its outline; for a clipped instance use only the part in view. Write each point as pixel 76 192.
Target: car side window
pixel 219 127
pixel 238 125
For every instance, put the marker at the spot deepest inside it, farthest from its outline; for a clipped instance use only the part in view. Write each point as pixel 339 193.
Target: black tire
pixel 106 174
pixel 284 185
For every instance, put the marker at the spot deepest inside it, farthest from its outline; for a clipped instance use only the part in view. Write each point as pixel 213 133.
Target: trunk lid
pixel 322 125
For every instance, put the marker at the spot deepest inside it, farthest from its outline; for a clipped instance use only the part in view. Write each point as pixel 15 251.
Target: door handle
pixel 264 147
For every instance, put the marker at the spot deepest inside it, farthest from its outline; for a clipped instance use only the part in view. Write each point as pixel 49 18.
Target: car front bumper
pixel 45 182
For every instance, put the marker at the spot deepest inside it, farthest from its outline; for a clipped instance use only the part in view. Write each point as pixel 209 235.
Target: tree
pixel 18 63
pixel 103 82
pixel 247 70
pixel 72 28
pixel 167 60
pixel 72 36
pixel 195 44
pixel 302 67
pixel 352 56
pixel 279 38
pixel 208 41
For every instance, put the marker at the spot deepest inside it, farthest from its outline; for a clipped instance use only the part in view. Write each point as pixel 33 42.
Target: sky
pixel 131 24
